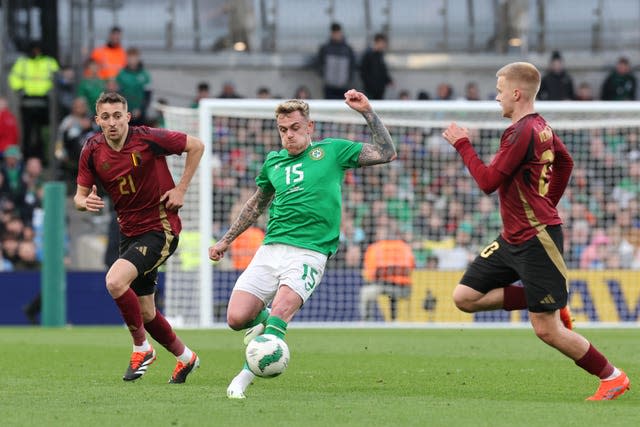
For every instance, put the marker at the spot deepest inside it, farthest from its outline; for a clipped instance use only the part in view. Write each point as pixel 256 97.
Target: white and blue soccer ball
pixel 267 356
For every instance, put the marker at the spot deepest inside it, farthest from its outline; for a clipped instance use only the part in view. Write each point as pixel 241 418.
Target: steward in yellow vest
pixel 32 77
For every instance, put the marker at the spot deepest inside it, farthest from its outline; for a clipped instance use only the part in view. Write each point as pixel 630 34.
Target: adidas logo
pixel 548 300
pixel 142 250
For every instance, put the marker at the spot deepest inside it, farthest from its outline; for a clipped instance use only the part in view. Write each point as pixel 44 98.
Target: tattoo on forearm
pixel 382 150
pixel 250 212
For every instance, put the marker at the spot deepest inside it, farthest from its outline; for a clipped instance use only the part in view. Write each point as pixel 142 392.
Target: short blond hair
pixel 525 75
pixel 288 107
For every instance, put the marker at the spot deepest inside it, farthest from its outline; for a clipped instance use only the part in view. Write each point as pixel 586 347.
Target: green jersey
pixel 306 209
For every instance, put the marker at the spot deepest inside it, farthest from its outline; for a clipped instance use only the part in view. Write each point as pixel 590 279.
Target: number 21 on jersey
pixel 126 185
pixel 294 174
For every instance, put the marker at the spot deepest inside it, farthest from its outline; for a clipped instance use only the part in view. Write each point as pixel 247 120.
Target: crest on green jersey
pixel 316 153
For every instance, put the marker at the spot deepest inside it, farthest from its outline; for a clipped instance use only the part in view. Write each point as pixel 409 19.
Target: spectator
pixel 621 247
pixel 263 92
pixel 584 92
pixel 245 247
pixel 578 242
pixel 5 264
pixel 595 254
pixel 202 92
pixel 229 91
pixel 32 78
pixel 65 84
pixel 556 84
pixel 27 259
pixel 620 84
pixel 444 92
pixel 472 92
pixel 387 268
pixel 72 133
pixel 9 134
pixel 11 183
pixel 336 64
pixel 373 68
pixel 604 167
pixel 110 57
pixel 133 82
pixel 352 237
pixel 485 221
pixel 14 226
pixel 10 248
pixel 302 92
pixel 91 86
pixel 404 95
pixel 423 95
pixel 462 252
pixel 32 181
pixel 246 244
pixel 628 188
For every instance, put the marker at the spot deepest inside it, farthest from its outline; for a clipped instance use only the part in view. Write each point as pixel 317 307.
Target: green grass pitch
pixel 336 377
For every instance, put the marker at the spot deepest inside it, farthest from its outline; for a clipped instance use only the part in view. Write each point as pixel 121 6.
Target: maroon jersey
pixel 135 177
pixel 530 170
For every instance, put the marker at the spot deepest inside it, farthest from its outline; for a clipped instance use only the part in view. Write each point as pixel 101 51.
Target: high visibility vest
pixel 34 76
pixel 110 61
pixel 389 261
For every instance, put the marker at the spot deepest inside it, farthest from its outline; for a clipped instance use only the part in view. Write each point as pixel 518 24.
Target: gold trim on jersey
pixel 531 216
pixel 136 158
pixel 543 236
pixel 554 253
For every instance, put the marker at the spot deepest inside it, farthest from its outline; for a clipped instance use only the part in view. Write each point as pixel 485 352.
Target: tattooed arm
pixel 382 149
pixel 251 211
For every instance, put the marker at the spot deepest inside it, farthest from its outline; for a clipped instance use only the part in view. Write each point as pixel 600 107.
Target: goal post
pixel 189 273
pixel 426 197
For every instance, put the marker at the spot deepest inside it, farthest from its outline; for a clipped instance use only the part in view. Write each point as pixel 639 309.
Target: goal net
pixel 426 198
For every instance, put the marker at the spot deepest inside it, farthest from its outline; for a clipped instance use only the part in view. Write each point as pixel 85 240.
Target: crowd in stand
pixel 426 195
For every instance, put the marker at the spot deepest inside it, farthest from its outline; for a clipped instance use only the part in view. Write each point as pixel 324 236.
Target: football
pixel 267 356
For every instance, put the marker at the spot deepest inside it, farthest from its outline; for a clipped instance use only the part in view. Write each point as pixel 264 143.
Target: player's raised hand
pixel 357 100
pixel 454 133
pixel 216 252
pixel 93 202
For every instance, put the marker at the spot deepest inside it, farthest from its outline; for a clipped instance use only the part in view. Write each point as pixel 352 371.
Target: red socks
pixel 158 328
pixel 514 298
pixel 162 332
pixel 130 310
pixel 595 363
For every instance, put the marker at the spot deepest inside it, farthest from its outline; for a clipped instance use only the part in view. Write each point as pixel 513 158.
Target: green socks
pixel 260 318
pixel 276 326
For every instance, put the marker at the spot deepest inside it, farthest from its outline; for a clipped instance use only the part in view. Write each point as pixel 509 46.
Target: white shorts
pixel 275 265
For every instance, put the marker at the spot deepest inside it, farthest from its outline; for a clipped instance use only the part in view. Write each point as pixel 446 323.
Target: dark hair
pixel 34 44
pixel 380 37
pixel 115 29
pixel 111 98
pixel 335 27
pixel 203 86
pixel 623 60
